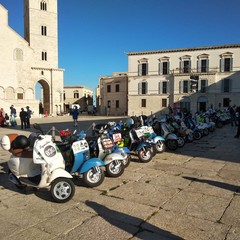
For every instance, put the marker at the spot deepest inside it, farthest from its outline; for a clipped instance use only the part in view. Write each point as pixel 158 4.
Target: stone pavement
pixel 192 193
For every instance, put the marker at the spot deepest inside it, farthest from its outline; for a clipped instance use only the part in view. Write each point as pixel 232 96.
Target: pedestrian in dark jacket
pixel 238 120
pixel 75 114
pixel 23 118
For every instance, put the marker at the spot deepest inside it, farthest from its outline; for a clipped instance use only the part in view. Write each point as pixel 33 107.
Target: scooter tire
pixel 145 155
pixel 93 182
pixel 160 146
pixel 172 144
pixel 197 135
pixel 62 190
pixel 113 171
pixel 127 160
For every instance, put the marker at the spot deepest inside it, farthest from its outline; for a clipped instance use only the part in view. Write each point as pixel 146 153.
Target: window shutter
pixel 139 69
pixel 190 65
pixel 231 64
pixel 160 68
pixel 207 65
pixel 180 67
pixel 167 87
pixel 180 86
pixel 146 87
pixel 198 66
pixel 230 85
pixel 139 88
pixel 146 68
pixel 168 68
pixel 221 65
pixel 160 88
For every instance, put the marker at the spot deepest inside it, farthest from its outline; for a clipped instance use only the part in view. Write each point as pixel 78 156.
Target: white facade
pixel 158 79
pixel 26 62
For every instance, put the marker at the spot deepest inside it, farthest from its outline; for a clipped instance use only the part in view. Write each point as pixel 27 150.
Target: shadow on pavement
pixel 223 185
pixel 121 220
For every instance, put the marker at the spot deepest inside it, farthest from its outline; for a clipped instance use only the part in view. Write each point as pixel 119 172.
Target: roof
pixel 185 49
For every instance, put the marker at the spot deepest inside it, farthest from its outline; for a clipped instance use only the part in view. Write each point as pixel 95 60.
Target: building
pixel 30 60
pixel 112 98
pixel 79 95
pixel 187 79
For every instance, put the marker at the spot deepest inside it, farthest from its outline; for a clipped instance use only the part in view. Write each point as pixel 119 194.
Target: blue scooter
pixel 78 162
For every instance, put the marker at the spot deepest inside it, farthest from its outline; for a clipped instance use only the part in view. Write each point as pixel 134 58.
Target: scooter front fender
pixel 158 138
pixel 91 163
pixel 113 157
pixel 59 173
pixel 143 144
pixel 122 149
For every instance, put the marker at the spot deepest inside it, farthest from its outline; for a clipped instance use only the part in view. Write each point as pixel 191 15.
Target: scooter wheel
pixel 160 146
pixel 127 160
pixel 172 144
pixel 145 154
pixel 115 168
pixel 94 177
pixel 62 190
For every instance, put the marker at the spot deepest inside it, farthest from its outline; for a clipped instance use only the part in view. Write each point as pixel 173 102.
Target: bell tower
pixel 41 31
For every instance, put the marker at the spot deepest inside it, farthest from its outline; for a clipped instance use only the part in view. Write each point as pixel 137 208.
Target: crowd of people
pixel 10 120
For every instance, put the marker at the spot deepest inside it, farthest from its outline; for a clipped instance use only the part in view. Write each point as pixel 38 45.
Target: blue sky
pixel 94 35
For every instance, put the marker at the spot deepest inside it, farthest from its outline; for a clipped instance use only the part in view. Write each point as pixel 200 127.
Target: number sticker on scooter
pixel 80 146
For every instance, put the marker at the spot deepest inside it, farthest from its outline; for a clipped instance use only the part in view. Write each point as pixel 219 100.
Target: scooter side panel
pixel 143 144
pixel 91 163
pixel 112 157
pixel 59 173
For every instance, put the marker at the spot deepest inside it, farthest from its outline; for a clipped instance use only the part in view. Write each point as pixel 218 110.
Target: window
pixel 108 103
pixel 64 96
pixel 186 66
pixel 143 103
pixel 203 85
pixel 164 68
pixel 20 96
pixel 43 6
pixel 44 56
pixel 143 88
pixel 204 65
pixel 226 62
pixel 117 87
pixel 185 86
pixel 227 65
pixel 143 69
pixel 117 103
pixel 108 88
pixel 164 102
pixel 163 87
pixel 76 95
pixel 226 85
pixel 44 31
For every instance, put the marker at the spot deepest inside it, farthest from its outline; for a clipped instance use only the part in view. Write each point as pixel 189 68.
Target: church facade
pixel 26 62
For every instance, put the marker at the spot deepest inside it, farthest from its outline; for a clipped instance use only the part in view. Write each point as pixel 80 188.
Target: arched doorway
pixel 43 95
pixel 202 104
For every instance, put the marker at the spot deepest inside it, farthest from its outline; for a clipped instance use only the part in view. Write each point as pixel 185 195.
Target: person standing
pixel 75 114
pixel 23 118
pixel 238 119
pixel 13 115
pixel 29 113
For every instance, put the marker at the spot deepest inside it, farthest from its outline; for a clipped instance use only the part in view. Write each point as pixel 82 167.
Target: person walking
pixel 238 119
pixel 232 115
pixel 23 118
pixel 29 113
pixel 75 114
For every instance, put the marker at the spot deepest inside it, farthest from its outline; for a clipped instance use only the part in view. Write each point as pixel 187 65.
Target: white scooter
pixel 41 166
